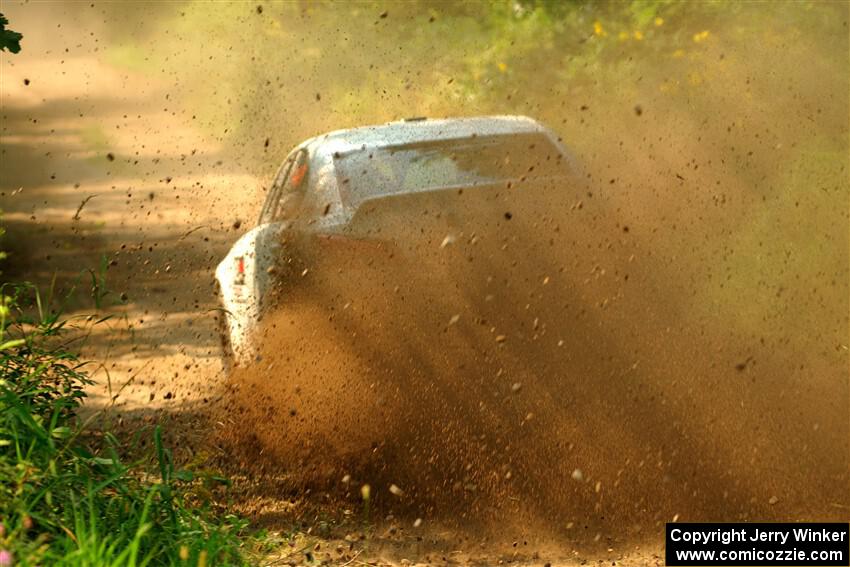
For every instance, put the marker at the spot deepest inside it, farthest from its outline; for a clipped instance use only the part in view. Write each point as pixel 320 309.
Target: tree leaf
pixel 9 39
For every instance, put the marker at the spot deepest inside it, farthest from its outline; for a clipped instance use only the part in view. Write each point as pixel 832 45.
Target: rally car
pixel 328 181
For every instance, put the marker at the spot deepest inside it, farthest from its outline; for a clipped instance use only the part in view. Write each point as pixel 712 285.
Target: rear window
pixel 460 162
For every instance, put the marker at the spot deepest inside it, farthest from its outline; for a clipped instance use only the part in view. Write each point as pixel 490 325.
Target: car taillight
pixel 240 270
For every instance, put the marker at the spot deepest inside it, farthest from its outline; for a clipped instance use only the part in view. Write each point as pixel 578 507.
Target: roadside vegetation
pixel 72 493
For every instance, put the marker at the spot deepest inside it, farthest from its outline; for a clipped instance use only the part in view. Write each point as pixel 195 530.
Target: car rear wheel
pixel 227 358
pixel 223 332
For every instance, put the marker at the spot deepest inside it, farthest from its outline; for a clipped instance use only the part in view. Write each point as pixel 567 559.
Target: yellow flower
pixel 184 552
pixel 659 21
pixel 502 67
pixel 701 36
pixel 638 35
pixel 598 30
pixel 679 53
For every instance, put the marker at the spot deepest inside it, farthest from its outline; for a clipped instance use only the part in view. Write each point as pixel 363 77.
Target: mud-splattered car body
pixel 325 180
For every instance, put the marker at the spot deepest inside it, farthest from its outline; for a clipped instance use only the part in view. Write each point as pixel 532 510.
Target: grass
pixel 67 494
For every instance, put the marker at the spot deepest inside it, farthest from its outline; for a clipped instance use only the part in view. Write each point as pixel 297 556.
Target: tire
pixel 223 332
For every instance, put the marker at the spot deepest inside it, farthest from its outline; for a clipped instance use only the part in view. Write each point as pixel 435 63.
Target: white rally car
pixel 325 180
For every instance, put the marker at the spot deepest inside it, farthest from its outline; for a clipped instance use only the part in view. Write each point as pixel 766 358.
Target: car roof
pixel 419 129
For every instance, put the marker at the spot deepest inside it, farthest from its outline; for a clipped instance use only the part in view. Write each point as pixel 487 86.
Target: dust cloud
pixel 535 374
pixel 665 336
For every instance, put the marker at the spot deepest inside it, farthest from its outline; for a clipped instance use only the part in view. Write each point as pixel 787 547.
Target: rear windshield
pixel 460 162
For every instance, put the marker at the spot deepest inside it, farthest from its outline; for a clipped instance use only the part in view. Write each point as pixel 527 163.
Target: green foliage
pixel 9 39
pixel 3 254
pixel 66 495
pixel 431 60
pixel 767 294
